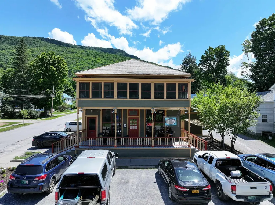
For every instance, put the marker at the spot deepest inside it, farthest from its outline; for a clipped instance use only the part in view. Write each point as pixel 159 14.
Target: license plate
pixel 195 191
pixel 24 182
pixel 252 198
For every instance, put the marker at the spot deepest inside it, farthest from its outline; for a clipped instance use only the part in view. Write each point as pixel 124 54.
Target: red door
pixel 133 123
pixel 91 127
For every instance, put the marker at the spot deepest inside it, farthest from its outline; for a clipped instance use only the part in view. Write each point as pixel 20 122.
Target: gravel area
pixel 128 187
pixel 245 144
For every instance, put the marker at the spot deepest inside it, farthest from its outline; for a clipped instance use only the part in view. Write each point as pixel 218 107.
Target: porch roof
pixel 133 67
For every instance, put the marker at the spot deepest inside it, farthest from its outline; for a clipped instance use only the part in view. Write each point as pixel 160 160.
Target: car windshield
pixel 269 155
pixel 79 180
pixel 29 170
pixel 189 174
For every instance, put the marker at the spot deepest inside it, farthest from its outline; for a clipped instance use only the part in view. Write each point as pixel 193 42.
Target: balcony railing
pixel 189 140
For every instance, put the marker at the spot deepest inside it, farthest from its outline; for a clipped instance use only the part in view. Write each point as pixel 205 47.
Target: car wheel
pixel 51 186
pixel 170 195
pixel 220 192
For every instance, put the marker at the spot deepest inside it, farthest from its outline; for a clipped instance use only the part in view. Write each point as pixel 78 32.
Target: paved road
pixel 245 144
pixel 16 142
pixel 128 187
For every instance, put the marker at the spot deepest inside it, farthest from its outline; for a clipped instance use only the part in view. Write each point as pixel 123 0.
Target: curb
pixel 3 193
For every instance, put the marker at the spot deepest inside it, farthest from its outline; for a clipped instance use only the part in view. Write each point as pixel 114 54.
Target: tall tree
pixel 48 77
pixel 189 65
pixel 229 108
pixel 262 44
pixel 214 63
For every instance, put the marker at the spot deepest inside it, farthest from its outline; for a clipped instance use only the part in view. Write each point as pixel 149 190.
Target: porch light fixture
pixel 114 111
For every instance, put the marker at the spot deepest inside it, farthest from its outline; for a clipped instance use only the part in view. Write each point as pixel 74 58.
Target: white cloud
pixel 147 34
pixel 64 36
pixel 91 40
pixel 160 42
pixel 170 63
pixel 78 17
pixel 56 2
pixel 104 11
pixel 235 63
pixel 155 10
pixel 256 23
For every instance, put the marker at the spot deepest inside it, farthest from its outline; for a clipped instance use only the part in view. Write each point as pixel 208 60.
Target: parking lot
pixel 128 187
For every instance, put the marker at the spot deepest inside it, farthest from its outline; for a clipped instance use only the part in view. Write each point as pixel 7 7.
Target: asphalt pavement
pixel 16 142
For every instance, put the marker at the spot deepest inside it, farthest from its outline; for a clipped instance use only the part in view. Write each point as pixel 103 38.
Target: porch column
pixel 77 128
pixel 153 126
pixel 189 110
pixel 115 127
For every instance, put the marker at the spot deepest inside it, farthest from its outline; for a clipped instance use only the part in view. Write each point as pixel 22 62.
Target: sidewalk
pixel 245 144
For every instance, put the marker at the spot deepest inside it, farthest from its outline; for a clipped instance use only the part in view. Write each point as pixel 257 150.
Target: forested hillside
pixel 78 58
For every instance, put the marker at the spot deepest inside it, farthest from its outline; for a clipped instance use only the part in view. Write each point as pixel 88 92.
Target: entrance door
pixel 133 123
pixel 91 127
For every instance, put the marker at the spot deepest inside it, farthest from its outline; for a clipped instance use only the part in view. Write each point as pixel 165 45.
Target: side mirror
pixel 116 155
pixel 199 156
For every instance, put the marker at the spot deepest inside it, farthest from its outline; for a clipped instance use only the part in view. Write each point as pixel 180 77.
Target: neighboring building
pixel 67 99
pixel 120 100
pixel 266 121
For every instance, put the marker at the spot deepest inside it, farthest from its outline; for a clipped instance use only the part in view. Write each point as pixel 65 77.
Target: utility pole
pixel 52 101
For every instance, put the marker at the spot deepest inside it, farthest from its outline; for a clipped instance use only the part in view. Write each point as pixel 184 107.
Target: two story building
pixel 133 99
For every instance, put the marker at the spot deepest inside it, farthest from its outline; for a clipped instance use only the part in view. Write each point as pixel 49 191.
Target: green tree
pixel 189 65
pixel 229 108
pixel 213 64
pixel 48 77
pixel 262 44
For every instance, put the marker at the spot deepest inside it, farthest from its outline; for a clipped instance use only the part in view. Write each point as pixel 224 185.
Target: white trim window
pixel 264 118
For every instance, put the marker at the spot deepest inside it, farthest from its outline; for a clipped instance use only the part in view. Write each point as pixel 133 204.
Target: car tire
pixel 220 192
pixel 51 186
pixel 170 195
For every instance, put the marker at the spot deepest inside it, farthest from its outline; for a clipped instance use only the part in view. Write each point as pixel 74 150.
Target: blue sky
pixel 160 31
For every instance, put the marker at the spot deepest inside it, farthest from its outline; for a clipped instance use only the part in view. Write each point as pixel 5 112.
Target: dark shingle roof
pixel 133 67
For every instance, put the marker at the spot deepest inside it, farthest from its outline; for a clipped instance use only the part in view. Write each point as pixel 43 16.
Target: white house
pixel 266 120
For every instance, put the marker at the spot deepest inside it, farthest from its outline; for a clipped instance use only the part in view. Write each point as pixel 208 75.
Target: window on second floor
pixel 159 91
pixel 264 118
pixel 182 91
pixel 84 90
pixel 145 90
pixel 133 90
pixel 108 89
pixel 122 90
pixel 96 90
pixel 170 90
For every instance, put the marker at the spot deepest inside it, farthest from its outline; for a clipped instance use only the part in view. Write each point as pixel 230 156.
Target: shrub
pixel 63 107
pixel 33 114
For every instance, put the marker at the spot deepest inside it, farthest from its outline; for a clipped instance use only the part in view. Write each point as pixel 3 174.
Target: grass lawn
pixel 25 155
pixel 14 127
pixel 65 112
pixel 4 124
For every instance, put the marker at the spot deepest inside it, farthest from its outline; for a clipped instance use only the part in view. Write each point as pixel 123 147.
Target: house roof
pixel 266 96
pixel 133 67
pixel 272 87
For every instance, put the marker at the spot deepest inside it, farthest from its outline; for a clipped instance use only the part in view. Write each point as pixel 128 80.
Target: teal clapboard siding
pixel 133 103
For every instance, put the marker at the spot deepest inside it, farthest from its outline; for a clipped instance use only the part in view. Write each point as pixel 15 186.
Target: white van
pixel 71 126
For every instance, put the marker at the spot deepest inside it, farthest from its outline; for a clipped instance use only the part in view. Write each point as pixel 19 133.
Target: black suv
pixel 39 173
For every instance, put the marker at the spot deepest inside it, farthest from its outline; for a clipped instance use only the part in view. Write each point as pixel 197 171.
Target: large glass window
pixel 108 90
pixel 96 90
pixel 134 90
pixel 108 122
pixel 145 90
pixel 122 90
pixel 170 90
pixel 159 91
pixel 84 90
pixel 182 91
